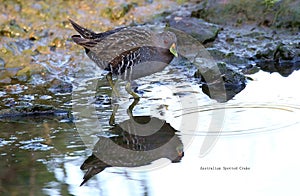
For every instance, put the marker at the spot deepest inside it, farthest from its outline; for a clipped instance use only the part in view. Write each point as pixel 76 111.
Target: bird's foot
pixel 113 115
pixel 129 90
pixel 130 109
pixel 115 92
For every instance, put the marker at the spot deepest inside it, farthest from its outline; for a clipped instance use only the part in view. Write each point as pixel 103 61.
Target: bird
pixel 134 142
pixel 127 52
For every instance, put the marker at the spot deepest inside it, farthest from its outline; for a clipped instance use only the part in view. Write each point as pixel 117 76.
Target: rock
pixel 283 68
pixel 284 52
pixel 5 80
pixel 228 57
pixel 16 113
pixel 274 13
pixel 278 52
pixel 281 58
pixel 254 47
pixel 118 12
pixel 266 52
pixel 20 45
pixel 225 88
pixel 58 86
pixel 11 29
pixel 199 29
pixel 2 64
pixel 7 74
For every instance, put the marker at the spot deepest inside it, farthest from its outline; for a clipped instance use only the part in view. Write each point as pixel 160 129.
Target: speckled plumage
pixel 128 52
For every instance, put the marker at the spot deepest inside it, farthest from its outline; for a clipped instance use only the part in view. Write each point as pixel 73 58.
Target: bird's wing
pixel 84 32
pixel 124 61
pixel 125 40
pixel 86 43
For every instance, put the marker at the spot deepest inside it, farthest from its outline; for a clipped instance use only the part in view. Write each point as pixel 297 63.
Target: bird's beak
pixel 173 50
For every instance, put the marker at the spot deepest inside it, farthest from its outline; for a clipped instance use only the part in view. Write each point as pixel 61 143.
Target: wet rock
pixel 7 74
pixel 225 88
pixel 24 74
pixel 2 64
pixel 11 29
pixel 19 46
pixel 266 52
pixel 30 108
pixel 284 52
pixel 32 112
pixel 264 13
pixel 39 34
pixel 250 69
pixel 199 29
pixel 15 88
pixel 16 54
pixel 283 58
pixel 4 80
pixel 57 43
pixel 20 74
pixel 22 78
pixel 228 57
pixel 118 12
pixel 283 68
pixel 253 47
pixel 278 52
pixel 58 87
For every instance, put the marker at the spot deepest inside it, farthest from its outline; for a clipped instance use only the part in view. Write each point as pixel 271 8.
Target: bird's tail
pixel 86 33
pixel 87 43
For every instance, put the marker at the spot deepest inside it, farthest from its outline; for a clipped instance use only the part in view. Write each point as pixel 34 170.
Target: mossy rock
pixel 273 13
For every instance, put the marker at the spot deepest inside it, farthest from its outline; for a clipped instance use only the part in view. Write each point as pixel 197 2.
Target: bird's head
pixel 166 39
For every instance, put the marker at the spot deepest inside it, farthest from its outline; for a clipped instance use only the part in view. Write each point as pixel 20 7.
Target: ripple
pixel 36 147
pixel 249 118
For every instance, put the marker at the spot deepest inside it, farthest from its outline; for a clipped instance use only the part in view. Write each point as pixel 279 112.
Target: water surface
pixel 258 130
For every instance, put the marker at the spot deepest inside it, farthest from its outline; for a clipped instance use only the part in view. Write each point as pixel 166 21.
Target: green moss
pixel 270 3
pixel 117 12
pixel 11 29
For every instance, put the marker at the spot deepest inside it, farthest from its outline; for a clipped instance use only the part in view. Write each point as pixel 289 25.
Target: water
pixel 254 135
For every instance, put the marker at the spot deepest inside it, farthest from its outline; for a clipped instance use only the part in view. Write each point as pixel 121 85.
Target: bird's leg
pixel 130 108
pixel 113 114
pixel 112 85
pixel 129 90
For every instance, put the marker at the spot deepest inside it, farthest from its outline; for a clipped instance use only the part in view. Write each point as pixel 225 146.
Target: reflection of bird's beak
pixel 173 50
pixel 179 150
pixel 180 154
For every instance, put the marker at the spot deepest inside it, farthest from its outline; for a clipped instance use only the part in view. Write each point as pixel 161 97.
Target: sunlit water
pixel 255 134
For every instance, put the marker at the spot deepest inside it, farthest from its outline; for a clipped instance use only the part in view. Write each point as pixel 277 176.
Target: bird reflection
pixel 136 142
